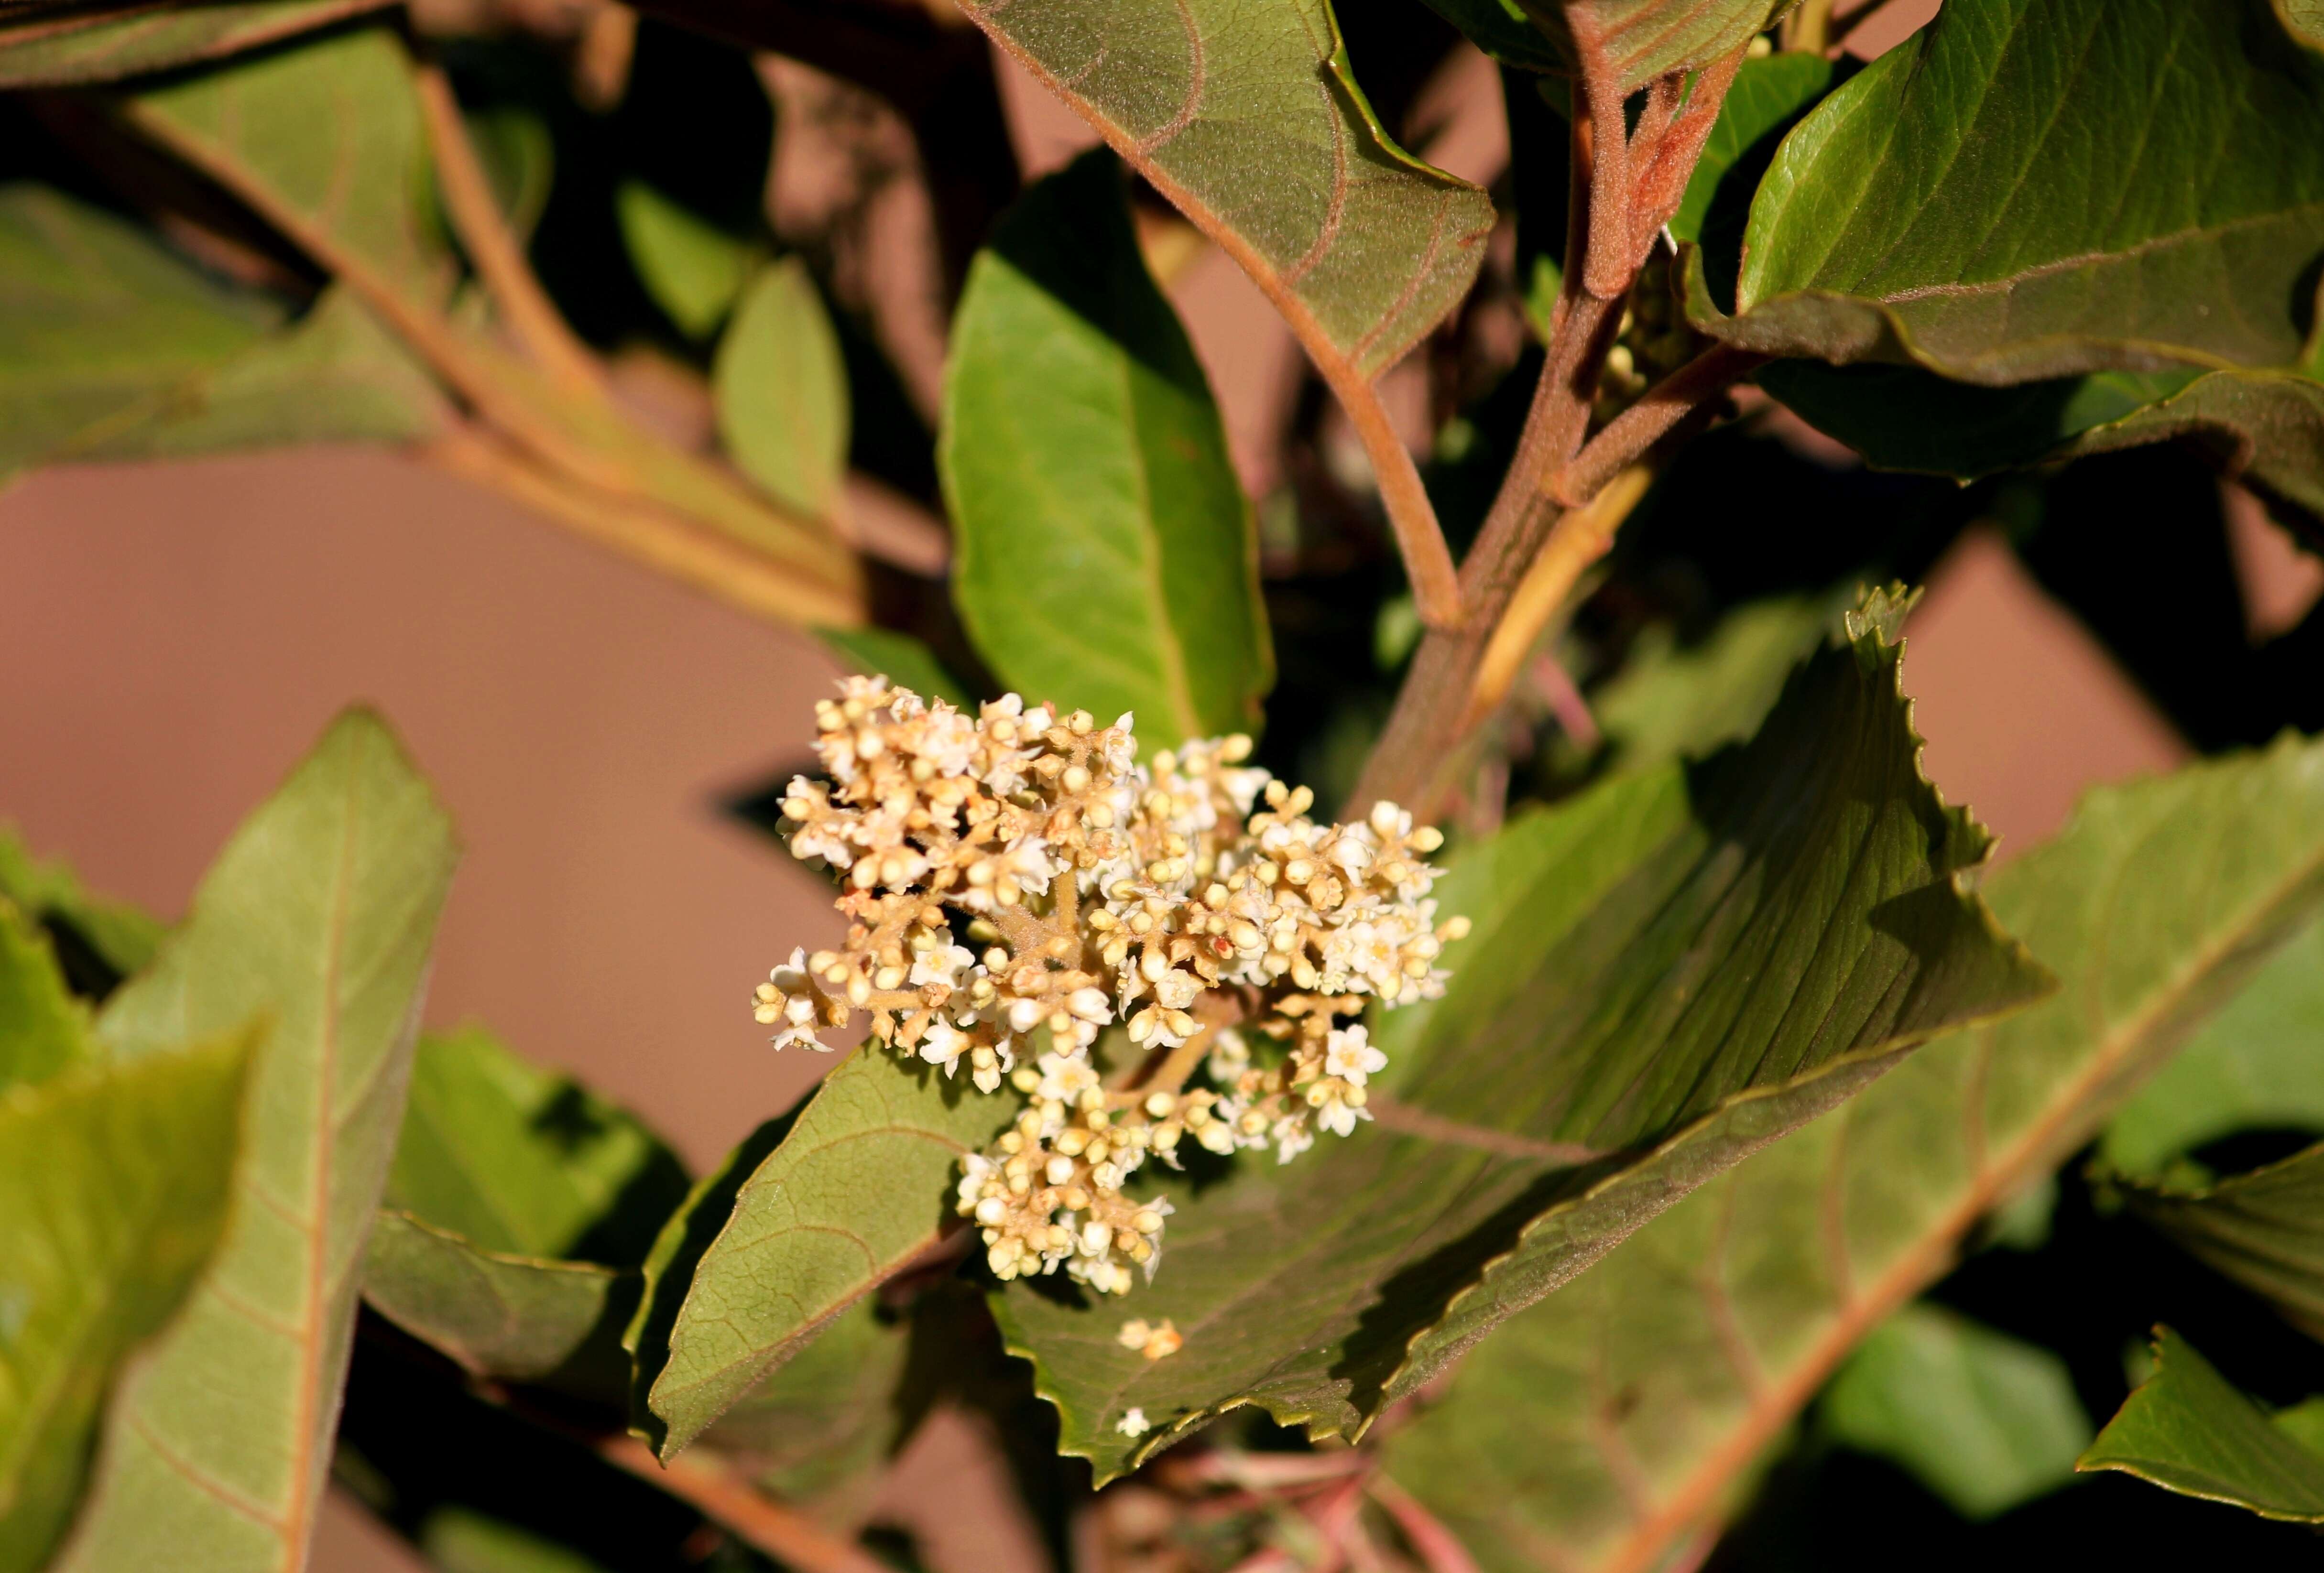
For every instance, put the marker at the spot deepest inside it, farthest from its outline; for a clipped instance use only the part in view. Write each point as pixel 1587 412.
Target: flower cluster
pixel 1018 882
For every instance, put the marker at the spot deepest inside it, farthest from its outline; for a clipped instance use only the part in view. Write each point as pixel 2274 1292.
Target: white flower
pixel 791 976
pixel 1348 1053
pixel 943 964
pixel 1121 748
pixel 800 1037
pixel 1338 1115
pixel 1134 1423
pixel 943 1044
pixel 1230 1056
pixel 1028 861
pixel 1151 1028
pixel 1176 990
pixel 1351 854
pixel 1292 1137
pixel 1134 1333
pixel 947 742
pixel 976 1168
pixel 1065 1077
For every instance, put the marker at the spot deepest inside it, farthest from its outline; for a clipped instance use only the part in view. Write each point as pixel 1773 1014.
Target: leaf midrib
pixel 1772 1407
pixel 1334 360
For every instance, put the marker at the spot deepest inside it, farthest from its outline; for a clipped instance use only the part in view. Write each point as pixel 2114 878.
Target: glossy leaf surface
pixel 1107 557
pixel 1664 972
pixel 317 918
pixel 1720 1319
pixel 2166 207
pixel 1767 97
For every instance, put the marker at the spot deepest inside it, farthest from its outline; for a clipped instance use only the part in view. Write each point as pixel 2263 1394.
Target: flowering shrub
pixel 1546 592
pixel 1192 900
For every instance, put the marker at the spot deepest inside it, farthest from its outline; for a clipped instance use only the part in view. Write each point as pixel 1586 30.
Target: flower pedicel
pixel 1016 882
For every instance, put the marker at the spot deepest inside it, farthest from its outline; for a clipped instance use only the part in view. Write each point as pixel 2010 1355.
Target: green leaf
pixel 857 1188
pixel 1641 39
pixel 816 1430
pixel 1248 119
pixel 1503 30
pixel 1107 558
pixel 676 1254
pixel 458 1540
pixel 2254 1064
pixel 113 348
pixel 880 652
pixel 1902 417
pixel 1768 97
pixel 1671 700
pixel 2265 429
pixel 517 1208
pixel 782 391
pixel 1720 1318
pixel 54 47
pixel 2305 20
pixel 115 1182
pixel 44 1029
pixel 117 936
pixel 318 918
pixel 693 269
pixel 2265 1229
pixel 327 140
pixel 2187 1430
pixel 2305 1421
pixel 519 153
pixel 516 1158
pixel 1664 972
pixel 2166 207
pixel 1984 1421
pixel 497 1313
